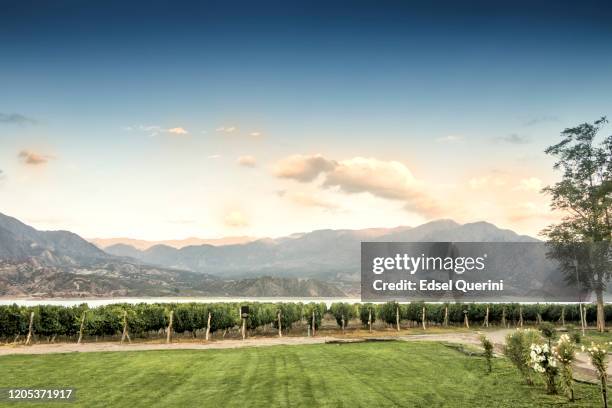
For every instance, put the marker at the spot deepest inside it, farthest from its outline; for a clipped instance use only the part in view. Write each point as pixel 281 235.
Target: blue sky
pixel 464 96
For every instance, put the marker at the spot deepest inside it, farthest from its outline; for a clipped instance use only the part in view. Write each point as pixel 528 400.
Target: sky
pixel 165 120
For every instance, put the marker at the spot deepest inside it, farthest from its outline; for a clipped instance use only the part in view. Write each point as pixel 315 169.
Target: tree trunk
pixel 243 328
pixel 280 328
pixel 397 318
pixel 486 322
pixel 466 320
pixel 81 329
pixel 370 320
pixel 30 329
pixel 342 321
pixel 208 327
pixel 313 324
pixel 601 316
pixel 169 333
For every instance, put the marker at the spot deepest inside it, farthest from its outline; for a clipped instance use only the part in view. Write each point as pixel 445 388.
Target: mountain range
pixel 62 264
pixel 331 255
pixel 322 263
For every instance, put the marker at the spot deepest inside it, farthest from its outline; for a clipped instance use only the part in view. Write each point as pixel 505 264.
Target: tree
pixel 581 240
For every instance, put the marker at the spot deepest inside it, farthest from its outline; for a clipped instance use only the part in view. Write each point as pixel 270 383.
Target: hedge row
pixel 143 318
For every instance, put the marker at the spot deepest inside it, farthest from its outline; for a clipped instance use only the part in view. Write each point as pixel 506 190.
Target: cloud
pixel 541 119
pixel 450 139
pixel 385 179
pixel 255 134
pixel 530 184
pixel 154 130
pixel 306 200
pixel 303 168
pixel 235 219
pixel 16 119
pixel 513 139
pixel 247 161
pixel 178 131
pixel 226 129
pixel 214 156
pixel 33 158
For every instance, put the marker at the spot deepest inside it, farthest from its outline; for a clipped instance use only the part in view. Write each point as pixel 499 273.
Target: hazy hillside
pixel 324 254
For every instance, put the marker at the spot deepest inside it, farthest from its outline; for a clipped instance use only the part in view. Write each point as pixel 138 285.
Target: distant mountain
pixel 62 264
pixel 323 254
pixel 20 242
pixel 142 245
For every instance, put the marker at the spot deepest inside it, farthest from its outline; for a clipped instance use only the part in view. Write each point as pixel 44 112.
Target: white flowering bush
pixel 544 362
pixel 565 353
pixel 597 354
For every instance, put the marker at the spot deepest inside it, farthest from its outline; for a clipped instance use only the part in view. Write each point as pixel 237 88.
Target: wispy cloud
pixel 178 131
pixel 450 139
pixel 154 130
pixel 214 156
pixel 513 138
pixel 33 158
pixel 247 161
pixel 541 119
pixel 226 129
pixel 16 119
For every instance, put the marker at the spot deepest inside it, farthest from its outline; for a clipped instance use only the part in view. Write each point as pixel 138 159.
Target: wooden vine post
pixel 125 329
pixel 521 316
pixel 342 324
pixel 243 329
pixel 397 318
pixel 208 327
pixel 423 318
pixel 280 328
pixel 486 321
pixel 503 316
pixel 30 329
pixel 169 332
pixel 466 321
pixel 81 329
pixel 446 316
pixel 313 323
pixel 563 316
pixel 370 319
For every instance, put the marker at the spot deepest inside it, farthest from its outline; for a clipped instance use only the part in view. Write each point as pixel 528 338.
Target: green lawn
pixel 348 375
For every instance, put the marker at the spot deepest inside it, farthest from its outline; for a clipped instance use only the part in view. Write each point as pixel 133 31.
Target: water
pixel 93 302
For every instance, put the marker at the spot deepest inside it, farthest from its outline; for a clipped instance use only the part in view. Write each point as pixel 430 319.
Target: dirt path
pixel 582 367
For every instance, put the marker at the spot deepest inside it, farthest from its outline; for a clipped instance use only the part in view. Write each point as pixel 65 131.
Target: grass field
pixel 349 375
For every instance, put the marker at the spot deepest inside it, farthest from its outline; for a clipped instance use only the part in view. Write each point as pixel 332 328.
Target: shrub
pixel 544 362
pixel 565 353
pixel 518 348
pixel 597 354
pixel 488 351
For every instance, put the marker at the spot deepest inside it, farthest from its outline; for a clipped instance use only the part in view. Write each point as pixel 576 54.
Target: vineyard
pixel 210 320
